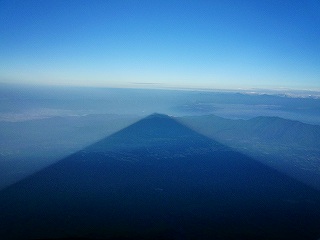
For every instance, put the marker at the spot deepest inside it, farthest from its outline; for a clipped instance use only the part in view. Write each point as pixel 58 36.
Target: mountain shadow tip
pixel 157 115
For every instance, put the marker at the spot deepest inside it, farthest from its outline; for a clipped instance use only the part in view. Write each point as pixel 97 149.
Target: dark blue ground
pixel 159 180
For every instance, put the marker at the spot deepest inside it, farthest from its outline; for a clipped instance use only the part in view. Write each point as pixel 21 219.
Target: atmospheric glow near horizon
pixel 180 44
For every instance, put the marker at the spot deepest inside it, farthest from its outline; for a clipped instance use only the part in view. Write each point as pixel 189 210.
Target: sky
pixel 161 44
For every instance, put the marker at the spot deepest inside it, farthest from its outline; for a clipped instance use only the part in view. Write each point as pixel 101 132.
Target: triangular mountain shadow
pixel 154 133
pixel 157 179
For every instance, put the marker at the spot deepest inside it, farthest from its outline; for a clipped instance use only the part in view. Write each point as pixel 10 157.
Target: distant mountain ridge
pixel 289 146
pixel 271 130
pixel 158 179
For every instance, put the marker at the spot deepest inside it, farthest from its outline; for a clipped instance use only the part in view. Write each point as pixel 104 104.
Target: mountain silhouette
pixel 158 179
pixel 267 130
pixel 289 146
pixel 155 132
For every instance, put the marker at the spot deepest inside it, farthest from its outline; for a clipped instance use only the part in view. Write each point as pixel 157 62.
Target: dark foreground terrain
pixel 157 179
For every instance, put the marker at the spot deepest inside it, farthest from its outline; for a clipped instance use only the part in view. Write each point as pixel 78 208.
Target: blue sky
pixel 180 44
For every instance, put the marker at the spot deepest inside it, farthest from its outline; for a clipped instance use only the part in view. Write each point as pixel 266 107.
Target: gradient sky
pixel 202 44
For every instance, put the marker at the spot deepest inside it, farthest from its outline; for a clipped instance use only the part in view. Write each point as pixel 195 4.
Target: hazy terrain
pixel 289 146
pixel 158 179
pixel 40 125
pixel 78 162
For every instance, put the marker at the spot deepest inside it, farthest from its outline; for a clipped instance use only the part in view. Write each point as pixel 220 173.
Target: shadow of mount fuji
pixel 157 179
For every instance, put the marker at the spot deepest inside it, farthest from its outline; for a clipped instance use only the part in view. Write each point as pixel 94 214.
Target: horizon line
pixel 157 86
